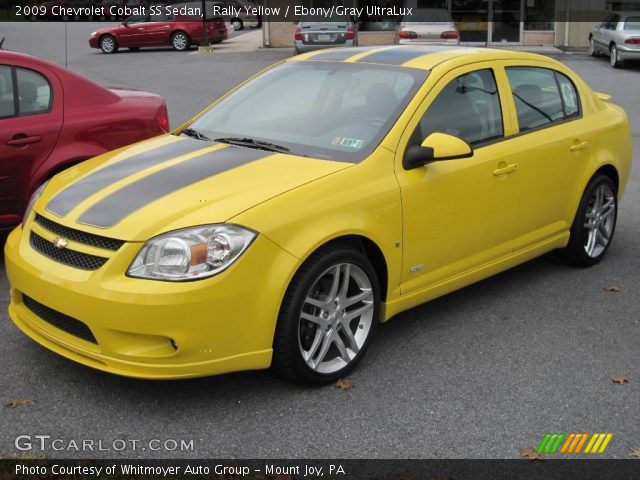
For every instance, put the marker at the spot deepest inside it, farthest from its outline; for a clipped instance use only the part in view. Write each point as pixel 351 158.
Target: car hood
pixel 171 182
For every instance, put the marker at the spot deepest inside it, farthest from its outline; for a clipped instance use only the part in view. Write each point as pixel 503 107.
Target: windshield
pixel 337 111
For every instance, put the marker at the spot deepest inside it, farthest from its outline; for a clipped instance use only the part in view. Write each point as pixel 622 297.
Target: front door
pixel 458 214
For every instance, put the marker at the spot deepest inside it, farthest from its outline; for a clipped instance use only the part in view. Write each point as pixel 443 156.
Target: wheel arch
pixel 610 171
pixel 366 246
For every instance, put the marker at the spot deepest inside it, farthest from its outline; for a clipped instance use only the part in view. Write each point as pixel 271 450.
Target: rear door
pixel 158 30
pixel 30 123
pixel 554 142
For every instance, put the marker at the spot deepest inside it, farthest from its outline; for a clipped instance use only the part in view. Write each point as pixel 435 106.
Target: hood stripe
pixel 79 191
pixel 122 203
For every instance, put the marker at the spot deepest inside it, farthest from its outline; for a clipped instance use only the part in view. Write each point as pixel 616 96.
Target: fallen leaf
pixel 635 453
pixel 613 289
pixel 531 454
pixel 18 403
pixel 344 384
pixel 620 379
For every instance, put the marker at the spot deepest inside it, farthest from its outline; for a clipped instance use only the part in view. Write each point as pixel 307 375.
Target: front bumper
pixel 152 329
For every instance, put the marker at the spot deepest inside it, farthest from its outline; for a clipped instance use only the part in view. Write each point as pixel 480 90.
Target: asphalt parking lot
pixel 482 373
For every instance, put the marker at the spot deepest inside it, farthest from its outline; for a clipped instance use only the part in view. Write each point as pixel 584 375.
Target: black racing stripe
pixel 340 54
pixel 122 203
pixel 395 56
pixel 79 191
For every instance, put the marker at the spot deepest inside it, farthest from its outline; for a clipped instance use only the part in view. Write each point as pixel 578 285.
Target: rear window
pixel 632 23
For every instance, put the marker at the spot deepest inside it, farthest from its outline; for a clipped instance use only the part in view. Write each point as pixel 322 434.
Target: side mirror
pixel 436 147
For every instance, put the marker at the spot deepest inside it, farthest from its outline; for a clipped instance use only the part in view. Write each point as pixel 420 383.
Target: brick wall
pixel 376 38
pixel 542 38
pixel 281 34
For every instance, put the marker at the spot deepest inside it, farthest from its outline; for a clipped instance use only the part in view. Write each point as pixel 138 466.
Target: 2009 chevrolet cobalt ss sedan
pixel 323 196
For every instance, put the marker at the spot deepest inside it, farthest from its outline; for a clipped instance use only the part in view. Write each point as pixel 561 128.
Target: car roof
pixel 422 57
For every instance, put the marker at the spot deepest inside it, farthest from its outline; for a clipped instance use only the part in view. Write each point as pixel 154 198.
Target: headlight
pixel 192 253
pixel 94 34
pixel 32 201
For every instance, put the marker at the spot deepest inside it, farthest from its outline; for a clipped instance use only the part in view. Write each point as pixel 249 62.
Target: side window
pixel 34 92
pixel 542 97
pixel 468 107
pixel 614 22
pixel 7 103
pixel 136 19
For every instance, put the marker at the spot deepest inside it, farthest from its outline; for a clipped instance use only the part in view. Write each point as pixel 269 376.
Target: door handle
pixel 576 147
pixel 21 140
pixel 505 170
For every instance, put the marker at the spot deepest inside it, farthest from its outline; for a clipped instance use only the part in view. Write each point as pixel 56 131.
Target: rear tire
pixel 595 223
pixel 328 317
pixel 237 24
pixel 180 41
pixel 108 44
pixel 616 61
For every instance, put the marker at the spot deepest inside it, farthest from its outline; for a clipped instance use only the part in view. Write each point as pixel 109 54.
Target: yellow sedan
pixel 321 197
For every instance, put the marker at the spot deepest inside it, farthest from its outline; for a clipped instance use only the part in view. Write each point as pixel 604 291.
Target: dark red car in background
pixel 52 118
pixel 177 31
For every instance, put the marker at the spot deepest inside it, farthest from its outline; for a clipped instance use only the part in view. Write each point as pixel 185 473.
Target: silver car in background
pixel 617 36
pixel 313 33
pixel 428 26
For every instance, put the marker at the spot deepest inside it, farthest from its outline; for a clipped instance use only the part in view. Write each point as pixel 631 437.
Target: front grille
pixel 80 260
pixel 79 236
pixel 60 320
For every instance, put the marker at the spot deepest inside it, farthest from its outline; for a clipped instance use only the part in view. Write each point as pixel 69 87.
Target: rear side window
pixel 34 92
pixel 7 103
pixel 543 97
pixel 468 107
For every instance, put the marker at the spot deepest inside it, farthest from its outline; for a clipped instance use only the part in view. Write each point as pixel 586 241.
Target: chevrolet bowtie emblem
pixel 60 242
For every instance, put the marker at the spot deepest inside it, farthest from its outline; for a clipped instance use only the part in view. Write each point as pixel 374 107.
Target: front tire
pixel 180 41
pixel 593 51
pixel 237 24
pixel 328 317
pixel 108 44
pixel 595 223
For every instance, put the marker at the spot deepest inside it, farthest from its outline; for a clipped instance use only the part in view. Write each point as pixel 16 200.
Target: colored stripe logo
pixel 573 443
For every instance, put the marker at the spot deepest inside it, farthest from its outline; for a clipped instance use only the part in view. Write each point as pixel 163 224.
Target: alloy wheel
pixel 336 318
pixel 107 44
pixel 180 41
pixel 600 220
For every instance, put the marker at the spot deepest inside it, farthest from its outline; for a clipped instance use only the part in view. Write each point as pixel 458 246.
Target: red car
pixel 178 31
pixel 51 118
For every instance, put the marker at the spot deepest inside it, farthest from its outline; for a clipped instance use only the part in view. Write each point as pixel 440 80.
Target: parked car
pixel 177 31
pixel 617 36
pixel 245 14
pixel 428 26
pixel 51 119
pixel 329 193
pixel 314 33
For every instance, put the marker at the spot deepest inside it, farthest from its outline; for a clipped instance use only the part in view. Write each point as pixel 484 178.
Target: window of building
pixel 542 97
pixel 468 107
pixel 539 14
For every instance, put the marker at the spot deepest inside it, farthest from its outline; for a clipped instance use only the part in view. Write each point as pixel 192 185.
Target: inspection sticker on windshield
pixel 348 142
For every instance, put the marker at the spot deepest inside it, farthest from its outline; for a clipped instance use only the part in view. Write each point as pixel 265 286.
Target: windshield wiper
pixel 253 143
pixel 193 133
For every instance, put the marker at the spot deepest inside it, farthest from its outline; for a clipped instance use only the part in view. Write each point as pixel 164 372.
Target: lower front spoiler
pixel 245 361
